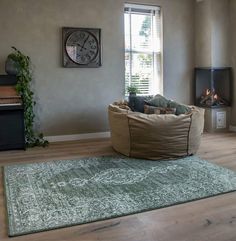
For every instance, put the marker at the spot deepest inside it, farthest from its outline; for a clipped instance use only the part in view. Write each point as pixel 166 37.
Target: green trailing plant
pixel 133 89
pixel 23 88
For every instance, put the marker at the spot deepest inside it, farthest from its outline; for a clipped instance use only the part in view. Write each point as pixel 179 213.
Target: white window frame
pixel 156 86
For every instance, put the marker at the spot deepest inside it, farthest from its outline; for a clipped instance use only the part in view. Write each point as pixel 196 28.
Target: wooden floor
pixel 211 219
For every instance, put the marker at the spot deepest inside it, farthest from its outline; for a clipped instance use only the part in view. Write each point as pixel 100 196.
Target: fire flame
pixel 211 92
pixel 210 97
pixel 208 91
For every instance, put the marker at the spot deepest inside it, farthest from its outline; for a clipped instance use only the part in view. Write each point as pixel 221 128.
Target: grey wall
pixel 220 33
pixel 203 34
pixel 72 101
pixel 212 33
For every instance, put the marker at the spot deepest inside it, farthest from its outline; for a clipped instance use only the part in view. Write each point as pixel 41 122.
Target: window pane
pixel 141 32
pixel 142 71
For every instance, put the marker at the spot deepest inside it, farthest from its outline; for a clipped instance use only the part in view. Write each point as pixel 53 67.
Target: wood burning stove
pixel 213 87
pixel 213 92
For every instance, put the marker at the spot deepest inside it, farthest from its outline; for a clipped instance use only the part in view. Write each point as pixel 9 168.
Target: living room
pixel 189 39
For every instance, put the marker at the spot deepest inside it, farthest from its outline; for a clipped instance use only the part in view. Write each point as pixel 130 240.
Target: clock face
pixel 82 47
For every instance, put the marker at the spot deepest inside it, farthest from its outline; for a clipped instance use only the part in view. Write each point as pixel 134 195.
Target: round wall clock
pixel 81 47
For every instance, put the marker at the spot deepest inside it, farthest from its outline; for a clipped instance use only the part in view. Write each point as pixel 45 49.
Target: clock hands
pixel 84 43
pixel 81 46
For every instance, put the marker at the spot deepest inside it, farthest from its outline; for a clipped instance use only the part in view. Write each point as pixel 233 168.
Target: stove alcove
pixel 213 92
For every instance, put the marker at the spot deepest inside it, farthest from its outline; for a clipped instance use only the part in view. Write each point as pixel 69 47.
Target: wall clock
pixel 81 47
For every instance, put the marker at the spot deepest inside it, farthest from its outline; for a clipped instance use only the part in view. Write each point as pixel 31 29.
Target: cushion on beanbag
pixel 161 101
pixel 180 109
pixel 136 103
pixel 149 109
pixel 158 101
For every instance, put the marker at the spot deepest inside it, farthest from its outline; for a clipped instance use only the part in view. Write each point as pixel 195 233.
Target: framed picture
pixel 81 47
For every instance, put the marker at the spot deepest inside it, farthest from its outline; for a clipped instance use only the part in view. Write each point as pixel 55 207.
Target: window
pixel 143 48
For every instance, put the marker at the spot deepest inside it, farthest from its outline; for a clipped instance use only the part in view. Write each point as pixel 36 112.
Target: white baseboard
pixel 232 128
pixel 77 137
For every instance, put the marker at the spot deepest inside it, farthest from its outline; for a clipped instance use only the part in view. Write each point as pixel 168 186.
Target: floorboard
pixel 210 219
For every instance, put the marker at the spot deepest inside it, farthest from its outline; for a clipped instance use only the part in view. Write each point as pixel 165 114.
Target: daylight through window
pixel 143 48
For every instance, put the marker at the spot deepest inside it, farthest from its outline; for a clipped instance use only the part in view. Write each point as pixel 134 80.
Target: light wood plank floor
pixel 211 219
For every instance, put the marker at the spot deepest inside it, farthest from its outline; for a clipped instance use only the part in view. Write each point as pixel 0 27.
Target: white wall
pixel 72 101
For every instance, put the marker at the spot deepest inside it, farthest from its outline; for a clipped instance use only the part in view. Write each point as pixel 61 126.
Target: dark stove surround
pixel 213 87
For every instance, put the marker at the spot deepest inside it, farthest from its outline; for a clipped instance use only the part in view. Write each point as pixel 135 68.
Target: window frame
pixel 158 68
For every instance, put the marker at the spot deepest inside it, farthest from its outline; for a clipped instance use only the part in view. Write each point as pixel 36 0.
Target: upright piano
pixel 12 134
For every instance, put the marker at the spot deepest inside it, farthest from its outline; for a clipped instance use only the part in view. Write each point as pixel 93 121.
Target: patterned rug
pixel 49 195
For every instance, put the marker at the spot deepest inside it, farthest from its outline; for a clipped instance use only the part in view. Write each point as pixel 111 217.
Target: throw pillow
pixel 180 109
pixel 148 109
pixel 136 103
pixel 158 101
pixel 169 110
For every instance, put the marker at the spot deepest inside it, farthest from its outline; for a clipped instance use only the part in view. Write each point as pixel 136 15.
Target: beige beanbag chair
pixel 155 136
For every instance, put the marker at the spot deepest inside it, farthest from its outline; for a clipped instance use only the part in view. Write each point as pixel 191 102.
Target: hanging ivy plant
pixel 23 87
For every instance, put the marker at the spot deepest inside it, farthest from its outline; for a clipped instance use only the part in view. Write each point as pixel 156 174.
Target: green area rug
pixel 49 195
